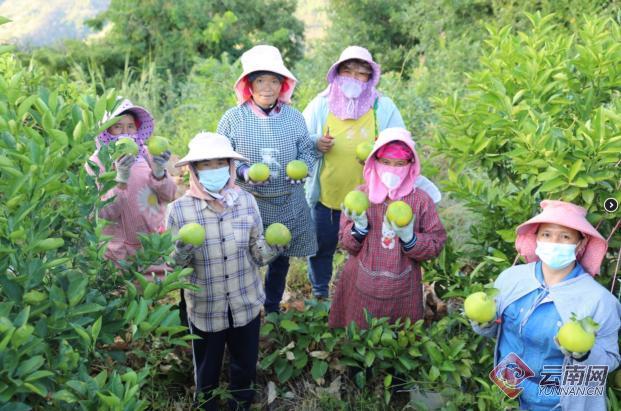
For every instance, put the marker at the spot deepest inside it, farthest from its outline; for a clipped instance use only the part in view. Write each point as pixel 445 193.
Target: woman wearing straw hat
pixel 350 111
pixel 264 128
pixel 224 310
pixel 563 252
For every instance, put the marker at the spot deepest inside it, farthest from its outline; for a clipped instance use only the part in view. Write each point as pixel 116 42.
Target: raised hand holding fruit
pixel 277 234
pixel 399 213
pixel 297 171
pixel 123 165
pixel 356 201
pixel 157 145
pixel 577 337
pixel 480 308
pixel 258 173
pixel 192 233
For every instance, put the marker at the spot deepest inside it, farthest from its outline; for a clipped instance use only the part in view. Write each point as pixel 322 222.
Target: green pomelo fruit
pixel 297 170
pixel 259 172
pixel 157 145
pixel 363 150
pixel 277 234
pixel 192 233
pixel 572 337
pixel 356 201
pixel 399 213
pixel 480 307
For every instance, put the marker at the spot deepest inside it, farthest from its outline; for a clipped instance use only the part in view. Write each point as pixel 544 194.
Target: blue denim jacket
pixel 529 327
pixel 581 295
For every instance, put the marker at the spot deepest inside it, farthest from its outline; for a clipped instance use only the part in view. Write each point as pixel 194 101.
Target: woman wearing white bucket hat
pixel 265 129
pixel 350 111
pixel 225 309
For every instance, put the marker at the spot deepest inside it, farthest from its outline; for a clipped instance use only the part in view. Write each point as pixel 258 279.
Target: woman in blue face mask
pixel 563 252
pixel 224 311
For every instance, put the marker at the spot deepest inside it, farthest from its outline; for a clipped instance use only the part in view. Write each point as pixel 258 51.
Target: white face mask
pixel 555 255
pixel 350 87
pixel 390 180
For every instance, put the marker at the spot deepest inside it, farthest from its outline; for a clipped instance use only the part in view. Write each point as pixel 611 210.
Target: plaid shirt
pixel 226 265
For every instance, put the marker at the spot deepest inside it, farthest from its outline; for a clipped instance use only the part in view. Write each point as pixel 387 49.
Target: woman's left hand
pixel 405 233
pixel 296 182
pixel 159 164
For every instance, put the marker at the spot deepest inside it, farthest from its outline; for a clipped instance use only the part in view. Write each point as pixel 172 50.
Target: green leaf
pixel 553 184
pixel 64 395
pixel 575 168
pixel 588 196
pixel 369 358
pixel 319 369
pixel 289 325
pixel 4 20
pixel 30 365
pixel 434 373
pixel 96 329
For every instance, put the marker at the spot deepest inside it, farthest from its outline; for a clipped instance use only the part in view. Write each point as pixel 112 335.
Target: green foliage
pixel 539 119
pixel 445 357
pixel 62 305
pixel 174 33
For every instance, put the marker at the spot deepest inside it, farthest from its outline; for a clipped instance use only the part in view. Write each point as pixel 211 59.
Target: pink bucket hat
pixel 356 53
pixel 145 124
pixel 264 58
pixel 567 215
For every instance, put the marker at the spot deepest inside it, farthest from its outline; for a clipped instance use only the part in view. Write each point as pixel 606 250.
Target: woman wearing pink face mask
pixel 383 273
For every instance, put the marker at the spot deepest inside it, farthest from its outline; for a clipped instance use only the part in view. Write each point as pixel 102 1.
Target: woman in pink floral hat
pixel 563 252
pixel 143 185
pixel 382 273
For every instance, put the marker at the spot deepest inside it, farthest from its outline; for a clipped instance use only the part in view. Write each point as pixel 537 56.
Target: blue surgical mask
pixel 555 255
pixel 214 179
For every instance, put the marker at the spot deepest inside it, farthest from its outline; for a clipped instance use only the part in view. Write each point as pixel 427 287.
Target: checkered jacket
pixel 226 265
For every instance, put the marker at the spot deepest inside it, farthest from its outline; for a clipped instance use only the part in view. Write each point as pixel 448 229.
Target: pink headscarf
pixel 378 192
pixel 341 106
pixel 567 215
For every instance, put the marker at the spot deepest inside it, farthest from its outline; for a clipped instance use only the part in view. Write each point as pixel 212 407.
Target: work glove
pixel 123 164
pixel 296 182
pixel 183 253
pixel 361 221
pixel 481 325
pixel 158 166
pixel 405 233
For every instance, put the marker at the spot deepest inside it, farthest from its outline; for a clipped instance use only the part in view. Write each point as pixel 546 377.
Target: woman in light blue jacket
pixel 563 252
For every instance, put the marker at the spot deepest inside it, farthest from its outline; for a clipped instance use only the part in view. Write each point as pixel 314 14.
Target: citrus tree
pixel 63 308
pixel 541 119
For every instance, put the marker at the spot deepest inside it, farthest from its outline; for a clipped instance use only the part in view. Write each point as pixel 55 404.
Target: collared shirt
pixel 529 327
pixel 226 265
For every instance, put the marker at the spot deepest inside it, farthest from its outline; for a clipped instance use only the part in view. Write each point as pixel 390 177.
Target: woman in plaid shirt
pixel 224 310
pixel 383 272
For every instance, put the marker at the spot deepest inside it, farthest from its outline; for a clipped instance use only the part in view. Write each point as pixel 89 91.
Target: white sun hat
pixel 208 146
pixel 264 58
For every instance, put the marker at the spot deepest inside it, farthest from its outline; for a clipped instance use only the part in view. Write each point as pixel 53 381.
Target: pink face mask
pixel 392 176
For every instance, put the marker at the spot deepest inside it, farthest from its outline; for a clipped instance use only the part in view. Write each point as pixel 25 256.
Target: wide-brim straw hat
pixel 567 215
pixel 264 58
pixel 209 146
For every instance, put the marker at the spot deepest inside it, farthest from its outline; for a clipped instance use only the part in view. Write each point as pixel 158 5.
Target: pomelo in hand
pixel 356 201
pixel 277 234
pixel 363 150
pixel 297 170
pixel 577 336
pixel 157 145
pixel 259 172
pixel 126 146
pixel 480 307
pixel 192 233
pixel 400 213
